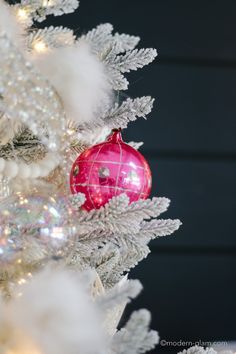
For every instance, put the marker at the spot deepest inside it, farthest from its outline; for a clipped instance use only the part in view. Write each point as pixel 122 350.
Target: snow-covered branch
pixel 102 40
pixel 198 350
pixel 117 65
pixel 114 238
pixel 40 9
pixel 118 53
pixel 128 111
pixel 121 115
pixel 50 37
pixel 121 293
pixel 132 60
pixel 135 338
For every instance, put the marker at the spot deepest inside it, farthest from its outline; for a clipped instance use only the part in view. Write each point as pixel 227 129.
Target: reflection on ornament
pixel 76 170
pixel 10 246
pixel 4 188
pixel 109 169
pixel 104 172
pixel 46 219
pixel 133 177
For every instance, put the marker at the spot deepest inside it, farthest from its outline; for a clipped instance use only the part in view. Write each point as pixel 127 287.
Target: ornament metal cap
pixel 115 136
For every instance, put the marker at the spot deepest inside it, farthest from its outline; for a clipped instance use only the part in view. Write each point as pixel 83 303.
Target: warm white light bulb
pixel 22 14
pixel 39 46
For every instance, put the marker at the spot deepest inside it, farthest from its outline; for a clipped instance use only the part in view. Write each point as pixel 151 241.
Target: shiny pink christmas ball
pixel 109 169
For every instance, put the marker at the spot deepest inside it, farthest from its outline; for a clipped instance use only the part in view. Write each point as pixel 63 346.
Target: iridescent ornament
pixel 10 245
pixel 30 220
pixel 109 169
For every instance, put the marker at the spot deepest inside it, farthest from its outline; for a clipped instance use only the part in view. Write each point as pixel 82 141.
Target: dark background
pixel 189 279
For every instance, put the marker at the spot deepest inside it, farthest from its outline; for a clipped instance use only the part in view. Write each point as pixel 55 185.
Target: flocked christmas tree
pixel 74 217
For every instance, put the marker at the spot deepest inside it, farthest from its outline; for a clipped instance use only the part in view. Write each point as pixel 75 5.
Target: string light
pixel 70 131
pixel 39 46
pixel 21 281
pixel 22 15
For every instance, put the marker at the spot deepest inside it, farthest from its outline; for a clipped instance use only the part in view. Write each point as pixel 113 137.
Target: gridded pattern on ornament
pixel 109 169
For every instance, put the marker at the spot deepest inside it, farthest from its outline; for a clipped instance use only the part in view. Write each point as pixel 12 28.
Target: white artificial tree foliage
pixel 135 337
pixel 52 37
pixel 40 9
pixel 201 350
pixel 129 110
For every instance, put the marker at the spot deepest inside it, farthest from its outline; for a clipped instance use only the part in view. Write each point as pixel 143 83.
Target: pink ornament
pixel 109 169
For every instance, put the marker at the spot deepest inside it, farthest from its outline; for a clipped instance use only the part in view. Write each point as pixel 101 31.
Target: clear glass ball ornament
pixel 35 221
pixel 10 245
